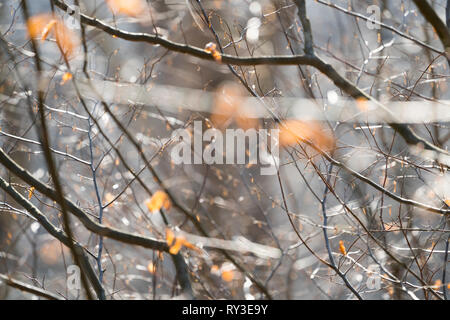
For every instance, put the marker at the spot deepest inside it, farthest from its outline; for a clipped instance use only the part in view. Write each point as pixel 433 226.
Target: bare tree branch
pixel 432 17
pixel 29 288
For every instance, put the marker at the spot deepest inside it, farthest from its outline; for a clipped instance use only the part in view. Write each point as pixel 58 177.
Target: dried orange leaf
pixel 437 284
pixel 40 26
pixel 177 246
pixel 391 227
pixel 36 24
pixel 66 77
pixel 228 100
pixel 342 247
pixel 151 267
pixel 228 275
pixel 47 29
pixel 191 246
pixel 167 204
pixel 133 8
pixel 30 193
pixel 293 131
pixel 217 56
pixel 159 200
pixel 176 243
pixel 212 49
pixel 170 236
pixel 214 268
pixel 66 39
pixel 109 197
pixel 362 104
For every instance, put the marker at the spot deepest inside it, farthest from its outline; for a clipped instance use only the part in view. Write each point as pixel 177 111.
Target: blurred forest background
pixel 92 205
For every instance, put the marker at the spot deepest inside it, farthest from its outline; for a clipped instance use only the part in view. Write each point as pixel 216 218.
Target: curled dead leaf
pixel 47 29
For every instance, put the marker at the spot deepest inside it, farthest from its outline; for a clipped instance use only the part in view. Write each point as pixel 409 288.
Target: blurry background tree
pixel 91 93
